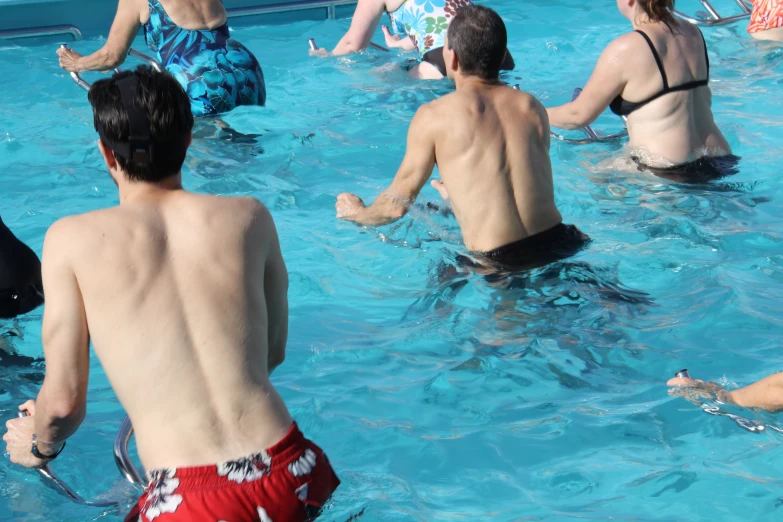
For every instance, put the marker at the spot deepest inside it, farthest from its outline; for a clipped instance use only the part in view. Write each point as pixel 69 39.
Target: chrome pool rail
pixel 329 5
pixel 152 62
pixel 35 32
pixel 122 457
pixel 84 84
pixel 52 480
pixel 712 17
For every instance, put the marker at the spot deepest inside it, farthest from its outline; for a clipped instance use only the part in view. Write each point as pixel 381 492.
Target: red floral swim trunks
pixel 289 482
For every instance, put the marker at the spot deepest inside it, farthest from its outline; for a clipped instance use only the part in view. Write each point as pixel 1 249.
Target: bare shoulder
pixel 527 104
pixel 258 217
pixel 62 232
pixel 427 114
pixel 429 117
pixel 73 233
pixel 623 44
pixel 688 30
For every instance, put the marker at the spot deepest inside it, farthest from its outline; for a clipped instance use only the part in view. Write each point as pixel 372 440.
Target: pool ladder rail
pixel 84 84
pixel 712 17
pixel 122 458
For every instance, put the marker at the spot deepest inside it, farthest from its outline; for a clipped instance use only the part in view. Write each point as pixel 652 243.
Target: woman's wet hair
pixel 478 36
pixel 167 107
pixel 659 11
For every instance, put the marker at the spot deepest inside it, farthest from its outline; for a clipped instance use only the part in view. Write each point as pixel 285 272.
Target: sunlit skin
pixel 185 292
pixel 365 21
pixel 491 145
pixel 672 130
pixel 131 15
pixel 766 394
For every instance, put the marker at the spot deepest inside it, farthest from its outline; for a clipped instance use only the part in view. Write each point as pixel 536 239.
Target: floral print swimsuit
pixel 218 73
pixel 767 14
pixel 426 21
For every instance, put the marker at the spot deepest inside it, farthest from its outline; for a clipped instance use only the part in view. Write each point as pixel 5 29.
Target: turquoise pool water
pixel 456 400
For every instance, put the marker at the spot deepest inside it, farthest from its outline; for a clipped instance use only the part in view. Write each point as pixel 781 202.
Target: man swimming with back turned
pixel 184 297
pixel 491 145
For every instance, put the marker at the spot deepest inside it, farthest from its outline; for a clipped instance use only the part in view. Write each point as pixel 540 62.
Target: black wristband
pixel 37 454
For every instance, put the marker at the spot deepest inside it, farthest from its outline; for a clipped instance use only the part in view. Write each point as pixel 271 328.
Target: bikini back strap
pixel 706 54
pixel 657 60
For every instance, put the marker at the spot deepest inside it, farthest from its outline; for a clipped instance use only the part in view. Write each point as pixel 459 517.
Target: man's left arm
pixel 62 400
pixel 393 203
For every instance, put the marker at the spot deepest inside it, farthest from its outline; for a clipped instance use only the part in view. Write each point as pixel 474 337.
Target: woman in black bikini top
pixel 658 77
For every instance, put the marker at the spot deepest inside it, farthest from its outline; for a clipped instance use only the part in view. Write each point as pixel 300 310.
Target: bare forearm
pixel 565 117
pixel 387 208
pixel 766 394
pixel 101 60
pixel 347 46
pixel 55 421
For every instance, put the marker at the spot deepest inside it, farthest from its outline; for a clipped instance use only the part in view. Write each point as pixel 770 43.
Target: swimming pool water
pixel 449 398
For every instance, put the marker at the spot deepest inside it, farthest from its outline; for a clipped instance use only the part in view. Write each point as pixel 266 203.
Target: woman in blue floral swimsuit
pixel 415 25
pixel 217 72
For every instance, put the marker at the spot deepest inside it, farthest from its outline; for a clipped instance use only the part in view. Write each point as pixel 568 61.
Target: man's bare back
pixel 188 292
pixel 492 151
pixel 184 297
pixel 491 145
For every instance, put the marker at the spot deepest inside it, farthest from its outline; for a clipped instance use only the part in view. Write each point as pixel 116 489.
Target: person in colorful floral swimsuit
pixel 216 71
pixel 184 297
pixel 766 20
pixel 415 25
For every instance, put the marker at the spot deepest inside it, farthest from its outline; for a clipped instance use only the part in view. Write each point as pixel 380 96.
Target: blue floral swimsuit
pixel 426 21
pixel 218 73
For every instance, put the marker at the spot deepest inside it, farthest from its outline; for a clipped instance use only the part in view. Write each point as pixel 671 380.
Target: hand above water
pixel 694 390
pixel 69 59
pixel 349 206
pixel 395 41
pixel 19 438
pixel 321 53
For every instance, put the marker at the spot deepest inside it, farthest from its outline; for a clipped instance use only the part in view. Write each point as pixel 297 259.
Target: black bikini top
pixel 622 107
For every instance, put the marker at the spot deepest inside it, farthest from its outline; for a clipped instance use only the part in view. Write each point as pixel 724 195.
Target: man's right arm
pixel 275 293
pixel 416 168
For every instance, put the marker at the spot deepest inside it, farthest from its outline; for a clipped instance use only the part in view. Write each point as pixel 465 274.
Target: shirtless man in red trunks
pixel 184 297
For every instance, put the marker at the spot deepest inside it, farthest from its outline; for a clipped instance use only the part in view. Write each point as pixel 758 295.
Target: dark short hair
pixel 167 107
pixel 478 36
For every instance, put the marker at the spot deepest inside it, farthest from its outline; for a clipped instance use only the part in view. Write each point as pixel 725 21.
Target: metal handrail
pixel 238 12
pixel 121 456
pixel 84 84
pixel 53 481
pixel 708 6
pixel 713 17
pixel 34 32
pixel 745 6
